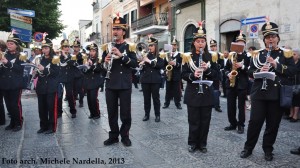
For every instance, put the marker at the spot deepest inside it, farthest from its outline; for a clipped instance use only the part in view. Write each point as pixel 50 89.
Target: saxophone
pixel 169 68
pixel 233 72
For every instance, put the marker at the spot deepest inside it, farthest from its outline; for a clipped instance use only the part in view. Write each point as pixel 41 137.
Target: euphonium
pixel 141 52
pixel 233 72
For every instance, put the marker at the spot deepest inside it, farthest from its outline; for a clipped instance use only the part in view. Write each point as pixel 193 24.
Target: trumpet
pixel 109 65
pixel 200 91
pixel 264 85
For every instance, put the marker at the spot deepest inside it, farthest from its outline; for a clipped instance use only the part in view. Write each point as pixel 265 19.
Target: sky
pixel 72 12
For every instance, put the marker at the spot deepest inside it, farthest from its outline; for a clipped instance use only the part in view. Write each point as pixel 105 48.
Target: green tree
pixel 46 15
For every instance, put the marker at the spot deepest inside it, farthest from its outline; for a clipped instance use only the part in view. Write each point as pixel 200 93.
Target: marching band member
pixel 151 79
pixel 200 64
pixel 66 78
pixel 92 80
pixel 46 88
pixel 12 74
pixel 2 111
pixel 173 77
pixel 265 103
pixel 236 72
pixel 118 60
pixel 213 47
pixel 78 81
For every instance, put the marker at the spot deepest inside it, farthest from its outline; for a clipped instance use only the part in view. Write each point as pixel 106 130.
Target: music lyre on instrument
pixel 200 91
pixel 264 85
pixel 109 65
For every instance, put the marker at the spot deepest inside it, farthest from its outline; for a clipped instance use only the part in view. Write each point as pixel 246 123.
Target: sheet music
pixel 268 75
pixel 206 82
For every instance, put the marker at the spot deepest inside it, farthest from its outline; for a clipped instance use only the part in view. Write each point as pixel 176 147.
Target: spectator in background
pixel 2 111
pixel 296 97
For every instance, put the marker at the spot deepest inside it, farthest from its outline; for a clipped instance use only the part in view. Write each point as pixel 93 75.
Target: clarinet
pixel 264 85
pixel 111 45
pixel 200 91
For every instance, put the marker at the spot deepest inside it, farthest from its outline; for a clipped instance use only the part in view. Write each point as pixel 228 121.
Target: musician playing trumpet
pixel 236 70
pixel 197 66
pixel 173 76
pixel 265 104
pixel 119 83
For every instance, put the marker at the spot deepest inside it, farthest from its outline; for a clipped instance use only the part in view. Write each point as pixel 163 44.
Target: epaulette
pixel 85 58
pixel 287 53
pixel 162 55
pixel 23 57
pixel 231 54
pixel 255 53
pixel 73 57
pixel 55 59
pixel 99 59
pixel 186 58
pixel 132 47
pixel 104 47
pixel 221 55
pixel 214 56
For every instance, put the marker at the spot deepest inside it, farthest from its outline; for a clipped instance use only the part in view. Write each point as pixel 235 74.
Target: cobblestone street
pixel 160 145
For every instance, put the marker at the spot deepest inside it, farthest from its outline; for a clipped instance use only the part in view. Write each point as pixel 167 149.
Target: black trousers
pixel 263 110
pixel 14 106
pixel 47 104
pixel 2 111
pixel 112 98
pixel 199 121
pixel 217 94
pixel 70 97
pixel 173 90
pixel 232 95
pixel 151 90
pixel 93 102
pixel 78 89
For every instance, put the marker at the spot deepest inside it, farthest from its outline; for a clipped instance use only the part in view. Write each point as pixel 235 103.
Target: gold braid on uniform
pixel 187 59
pixel 104 47
pixel 214 56
pixel 132 47
pixel 287 54
pixel 74 57
pixel 85 58
pixel 162 55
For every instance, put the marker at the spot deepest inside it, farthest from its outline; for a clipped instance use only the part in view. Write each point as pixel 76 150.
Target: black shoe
pixel 81 105
pixel 49 131
pixel 269 156
pixel 9 127
pixel 229 128
pixel 192 148
pixel 245 153
pixel 295 151
pixel 73 115
pixel 2 123
pixel 157 119
pixel 218 109
pixel 91 117
pixel 110 141
pixel 165 106
pixel 126 141
pixel 96 117
pixel 203 150
pixel 293 120
pixel 146 118
pixel 179 106
pixel 41 130
pixel 240 130
pixel 287 117
pixel 17 128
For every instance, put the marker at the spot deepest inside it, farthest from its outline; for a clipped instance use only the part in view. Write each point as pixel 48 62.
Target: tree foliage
pixel 46 15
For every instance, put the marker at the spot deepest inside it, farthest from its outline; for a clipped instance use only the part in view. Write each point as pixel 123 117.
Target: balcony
pixel 152 23
pixel 95 6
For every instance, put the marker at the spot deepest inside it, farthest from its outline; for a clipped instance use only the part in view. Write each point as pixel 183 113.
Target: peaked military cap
pixel 241 37
pixel 152 40
pixel 92 46
pixel 14 38
pixel 64 42
pixel 269 28
pixel 76 43
pixel 119 22
pixel 47 43
pixel 213 42
pixel 174 42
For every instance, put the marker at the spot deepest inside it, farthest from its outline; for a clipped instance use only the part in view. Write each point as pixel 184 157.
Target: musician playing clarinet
pixel 265 101
pixel 119 59
pixel 197 66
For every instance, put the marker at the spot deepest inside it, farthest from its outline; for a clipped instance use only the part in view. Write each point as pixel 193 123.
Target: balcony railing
pixel 150 20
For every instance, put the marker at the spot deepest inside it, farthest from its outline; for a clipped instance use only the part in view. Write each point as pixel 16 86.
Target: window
pixel 133 15
pixel 126 18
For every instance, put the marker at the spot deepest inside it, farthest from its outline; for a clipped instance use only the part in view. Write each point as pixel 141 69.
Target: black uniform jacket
pixel 48 78
pixel 66 72
pixel 120 77
pixel 284 71
pixel 176 72
pixel 12 73
pixel 191 96
pixel 92 78
pixel 151 72
pixel 241 80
